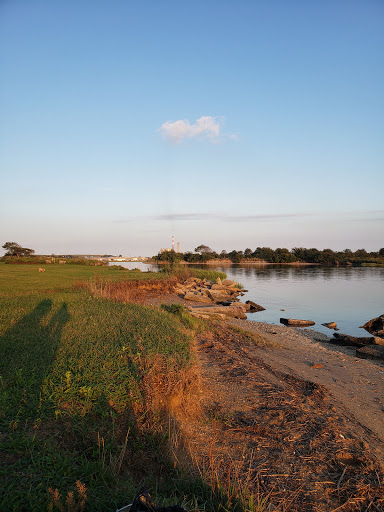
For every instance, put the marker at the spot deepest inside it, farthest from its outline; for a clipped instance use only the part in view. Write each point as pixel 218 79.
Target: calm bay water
pixel 348 296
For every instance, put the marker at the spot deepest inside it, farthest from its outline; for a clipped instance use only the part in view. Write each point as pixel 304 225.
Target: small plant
pixel 72 503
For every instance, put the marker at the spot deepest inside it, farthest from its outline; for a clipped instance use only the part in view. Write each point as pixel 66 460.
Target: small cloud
pixel 206 127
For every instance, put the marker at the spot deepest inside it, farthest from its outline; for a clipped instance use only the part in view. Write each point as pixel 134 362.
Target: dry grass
pixel 137 292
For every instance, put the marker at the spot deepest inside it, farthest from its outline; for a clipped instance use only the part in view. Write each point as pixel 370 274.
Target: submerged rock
pixel 330 325
pixel 253 307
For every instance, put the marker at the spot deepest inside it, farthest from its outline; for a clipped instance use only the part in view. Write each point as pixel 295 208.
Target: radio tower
pixel 173 243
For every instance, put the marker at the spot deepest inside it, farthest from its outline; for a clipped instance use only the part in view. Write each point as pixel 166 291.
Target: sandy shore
pixel 356 384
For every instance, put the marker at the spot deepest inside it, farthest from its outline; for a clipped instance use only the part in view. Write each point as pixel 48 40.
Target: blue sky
pixel 230 123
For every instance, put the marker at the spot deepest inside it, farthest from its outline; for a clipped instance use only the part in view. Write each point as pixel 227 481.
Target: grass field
pixel 79 376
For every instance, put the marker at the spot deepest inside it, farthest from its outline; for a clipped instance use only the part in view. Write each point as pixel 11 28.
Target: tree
pixel 203 249
pixel 14 249
pixel 248 253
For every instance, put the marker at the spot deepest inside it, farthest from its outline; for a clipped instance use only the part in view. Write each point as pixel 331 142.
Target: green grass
pixel 76 375
pixel 211 275
pixel 26 279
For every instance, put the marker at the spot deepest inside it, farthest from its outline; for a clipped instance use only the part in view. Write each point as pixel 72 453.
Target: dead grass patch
pixel 137 292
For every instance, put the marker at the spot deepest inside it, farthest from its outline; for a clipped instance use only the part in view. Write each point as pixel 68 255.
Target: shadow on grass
pixel 28 349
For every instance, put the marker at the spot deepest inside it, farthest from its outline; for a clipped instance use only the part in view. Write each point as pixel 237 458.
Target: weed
pixel 72 503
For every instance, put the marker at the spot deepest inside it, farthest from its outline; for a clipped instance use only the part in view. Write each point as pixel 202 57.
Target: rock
pixel 351 341
pixel 227 302
pixel 234 311
pixel 317 365
pixel 219 295
pixel 254 307
pixel 219 287
pixel 371 352
pixel 228 282
pixel 295 322
pixel 330 325
pixel 218 281
pixel 197 297
pixel 375 325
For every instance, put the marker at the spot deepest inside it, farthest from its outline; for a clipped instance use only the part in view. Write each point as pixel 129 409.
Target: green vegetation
pixel 79 379
pixel 203 254
pixel 183 272
pixel 203 273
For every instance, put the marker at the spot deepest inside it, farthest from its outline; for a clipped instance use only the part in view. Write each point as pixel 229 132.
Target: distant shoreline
pixel 230 263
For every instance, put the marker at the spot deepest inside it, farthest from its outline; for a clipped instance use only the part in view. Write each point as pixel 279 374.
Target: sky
pixel 232 124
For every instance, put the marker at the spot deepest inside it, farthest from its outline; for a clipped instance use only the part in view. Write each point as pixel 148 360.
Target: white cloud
pixel 206 127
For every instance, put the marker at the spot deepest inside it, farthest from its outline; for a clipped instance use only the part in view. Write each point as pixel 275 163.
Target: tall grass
pixel 137 291
pixel 210 275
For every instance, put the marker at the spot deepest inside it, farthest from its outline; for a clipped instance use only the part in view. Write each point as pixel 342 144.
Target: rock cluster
pixel 366 347
pixel 375 326
pixel 220 298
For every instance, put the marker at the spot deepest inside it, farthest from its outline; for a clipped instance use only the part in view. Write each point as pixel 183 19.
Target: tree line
pixel 203 253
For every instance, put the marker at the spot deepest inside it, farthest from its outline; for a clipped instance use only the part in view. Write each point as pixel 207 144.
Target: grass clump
pixel 210 275
pixel 184 316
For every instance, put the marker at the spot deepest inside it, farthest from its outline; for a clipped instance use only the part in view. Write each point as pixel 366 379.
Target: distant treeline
pixel 203 254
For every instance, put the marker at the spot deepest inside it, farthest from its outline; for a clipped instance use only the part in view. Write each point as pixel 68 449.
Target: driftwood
pixel 296 323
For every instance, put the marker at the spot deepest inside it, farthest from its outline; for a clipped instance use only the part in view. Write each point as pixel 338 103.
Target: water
pixel 349 296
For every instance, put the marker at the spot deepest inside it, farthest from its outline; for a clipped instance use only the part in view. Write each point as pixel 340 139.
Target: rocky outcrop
pixel 221 298
pixel 375 326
